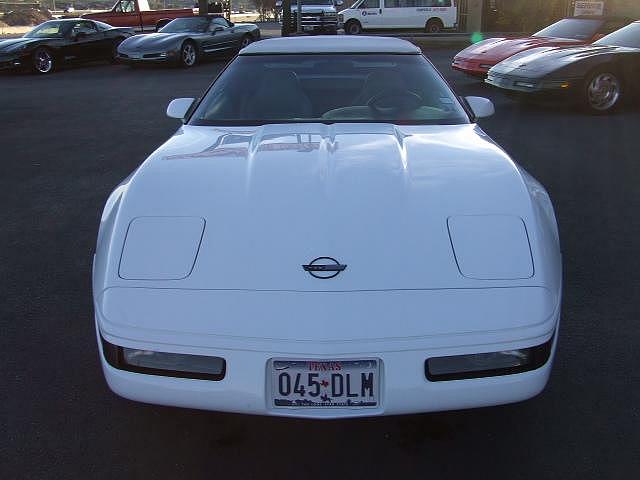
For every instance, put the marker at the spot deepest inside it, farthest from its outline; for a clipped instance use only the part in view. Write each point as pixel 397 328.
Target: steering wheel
pixel 406 100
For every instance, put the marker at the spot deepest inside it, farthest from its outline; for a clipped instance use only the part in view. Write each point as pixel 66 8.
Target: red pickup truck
pixel 138 15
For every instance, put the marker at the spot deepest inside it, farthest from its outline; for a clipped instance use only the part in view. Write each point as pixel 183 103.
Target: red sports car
pixel 479 58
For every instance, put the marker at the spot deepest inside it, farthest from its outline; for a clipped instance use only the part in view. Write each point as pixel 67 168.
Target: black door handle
pixel 380 11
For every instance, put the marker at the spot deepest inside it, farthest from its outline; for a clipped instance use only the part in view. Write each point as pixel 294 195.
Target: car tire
pixel 353 27
pixel 43 61
pixel 434 25
pixel 245 41
pixel 114 51
pixel 602 91
pixel 188 54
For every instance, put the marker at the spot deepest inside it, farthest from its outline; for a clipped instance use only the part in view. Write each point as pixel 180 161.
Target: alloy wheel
pixel 603 92
pixel 43 61
pixel 189 55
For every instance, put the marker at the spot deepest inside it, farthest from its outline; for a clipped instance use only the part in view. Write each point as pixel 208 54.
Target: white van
pixel 430 15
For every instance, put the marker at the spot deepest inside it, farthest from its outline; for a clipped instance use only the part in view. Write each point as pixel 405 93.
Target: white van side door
pixel 371 14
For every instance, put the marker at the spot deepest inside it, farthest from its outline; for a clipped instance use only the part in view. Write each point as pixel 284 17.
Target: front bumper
pixel 523 84
pixel 11 62
pixel 315 23
pixel 147 58
pixel 476 68
pixel 404 386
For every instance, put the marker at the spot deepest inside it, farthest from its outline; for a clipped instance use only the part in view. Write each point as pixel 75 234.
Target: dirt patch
pixel 26 17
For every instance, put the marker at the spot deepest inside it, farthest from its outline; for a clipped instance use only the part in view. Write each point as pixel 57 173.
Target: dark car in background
pixel 599 76
pixel 58 42
pixel 186 41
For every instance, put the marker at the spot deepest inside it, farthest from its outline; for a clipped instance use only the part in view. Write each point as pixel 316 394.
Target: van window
pixel 416 3
pixel 126 6
pixel 370 4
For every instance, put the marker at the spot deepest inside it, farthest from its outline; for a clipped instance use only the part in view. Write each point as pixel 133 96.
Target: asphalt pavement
pixel 67 139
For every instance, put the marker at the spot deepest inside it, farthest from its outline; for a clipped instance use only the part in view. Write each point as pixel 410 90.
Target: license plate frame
pixel 342 383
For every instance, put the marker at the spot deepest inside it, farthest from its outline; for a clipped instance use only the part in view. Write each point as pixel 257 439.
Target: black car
pixel 56 42
pixel 598 76
pixel 186 41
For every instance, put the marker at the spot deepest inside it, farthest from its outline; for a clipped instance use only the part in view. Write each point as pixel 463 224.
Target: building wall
pixel 475 18
pixel 627 8
pixel 470 15
pixel 485 15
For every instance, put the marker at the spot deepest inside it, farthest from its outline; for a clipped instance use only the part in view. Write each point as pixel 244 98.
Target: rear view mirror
pixel 179 107
pixel 480 106
pixel 339 3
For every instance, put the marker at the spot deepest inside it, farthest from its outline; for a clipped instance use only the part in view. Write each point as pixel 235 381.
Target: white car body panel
pixel 361 44
pixel 379 198
pixel 302 179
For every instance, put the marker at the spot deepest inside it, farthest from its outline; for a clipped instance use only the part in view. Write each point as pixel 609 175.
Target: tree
pixel 203 7
pixel 286 18
pixel 266 9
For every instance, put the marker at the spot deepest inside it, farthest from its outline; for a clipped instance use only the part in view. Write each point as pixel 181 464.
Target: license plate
pixel 307 28
pixel 325 384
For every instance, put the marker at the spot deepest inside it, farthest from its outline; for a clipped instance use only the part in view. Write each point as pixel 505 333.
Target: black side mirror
pixel 232 24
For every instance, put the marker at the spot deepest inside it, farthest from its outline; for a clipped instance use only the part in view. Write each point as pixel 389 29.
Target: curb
pixel 434 40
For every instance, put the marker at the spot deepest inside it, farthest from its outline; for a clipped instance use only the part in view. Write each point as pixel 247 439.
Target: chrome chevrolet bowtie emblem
pixel 324 267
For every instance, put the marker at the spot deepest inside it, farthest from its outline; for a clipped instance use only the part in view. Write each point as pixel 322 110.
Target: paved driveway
pixel 67 139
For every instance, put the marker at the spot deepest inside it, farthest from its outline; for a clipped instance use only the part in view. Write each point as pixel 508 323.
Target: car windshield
pixel 102 25
pixel 628 36
pixel 52 29
pixel 575 28
pixel 329 88
pixel 185 25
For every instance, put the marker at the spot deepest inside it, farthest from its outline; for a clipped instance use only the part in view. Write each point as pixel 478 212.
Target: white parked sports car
pixel 329 234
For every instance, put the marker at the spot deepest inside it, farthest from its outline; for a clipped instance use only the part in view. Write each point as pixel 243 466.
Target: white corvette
pixel 329 234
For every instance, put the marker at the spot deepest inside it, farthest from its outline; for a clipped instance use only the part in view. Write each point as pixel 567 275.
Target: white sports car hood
pixel 249 206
